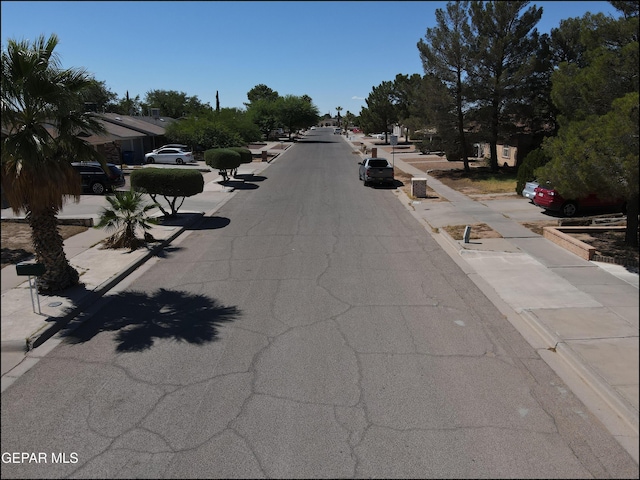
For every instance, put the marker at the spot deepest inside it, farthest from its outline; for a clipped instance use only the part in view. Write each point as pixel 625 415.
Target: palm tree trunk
pixel 48 245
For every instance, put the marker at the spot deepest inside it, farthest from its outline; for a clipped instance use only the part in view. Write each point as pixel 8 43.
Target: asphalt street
pixel 310 328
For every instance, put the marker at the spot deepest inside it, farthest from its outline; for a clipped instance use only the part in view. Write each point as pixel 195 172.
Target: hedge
pixel 223 159
pixel 245 154
pixel 168 182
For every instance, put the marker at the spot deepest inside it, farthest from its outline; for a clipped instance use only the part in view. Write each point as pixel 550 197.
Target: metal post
pixel 31 288
pixel 467 233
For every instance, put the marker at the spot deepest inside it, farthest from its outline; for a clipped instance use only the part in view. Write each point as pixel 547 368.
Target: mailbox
pixel 31 269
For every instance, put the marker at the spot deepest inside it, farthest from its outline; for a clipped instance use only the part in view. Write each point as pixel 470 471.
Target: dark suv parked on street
pixel 96 179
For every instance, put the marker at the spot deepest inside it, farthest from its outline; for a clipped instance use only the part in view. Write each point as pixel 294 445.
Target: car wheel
pixel 98 188
pixel 569 209
pixel 151 160
pixel 179 161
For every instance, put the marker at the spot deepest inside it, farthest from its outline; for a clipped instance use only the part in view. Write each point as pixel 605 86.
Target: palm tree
pixel 40 125
pixel 338 109
pixel 128 212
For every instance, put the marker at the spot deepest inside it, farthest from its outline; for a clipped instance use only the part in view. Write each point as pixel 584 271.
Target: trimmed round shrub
pixel 222 158
pixel 245 154
pixel 171 182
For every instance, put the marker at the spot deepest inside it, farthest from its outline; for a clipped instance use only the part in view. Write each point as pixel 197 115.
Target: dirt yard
pixel 607 244
pixel 16 240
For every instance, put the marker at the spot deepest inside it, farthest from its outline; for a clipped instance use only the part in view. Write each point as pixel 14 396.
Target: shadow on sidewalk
pixel 139 319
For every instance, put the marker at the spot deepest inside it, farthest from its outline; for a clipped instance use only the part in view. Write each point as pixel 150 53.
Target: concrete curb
pixel 58 323
pixel 599 397
pixel 590 377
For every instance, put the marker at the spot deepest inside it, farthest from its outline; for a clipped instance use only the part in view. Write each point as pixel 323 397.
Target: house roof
pixel 119 127
pixel 147 127
pixel 113 132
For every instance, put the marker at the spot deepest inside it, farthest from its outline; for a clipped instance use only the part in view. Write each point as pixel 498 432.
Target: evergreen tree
pixel 596 92
pixel 503 58
pixel 380 111
pixel 406 90
pixel 445 53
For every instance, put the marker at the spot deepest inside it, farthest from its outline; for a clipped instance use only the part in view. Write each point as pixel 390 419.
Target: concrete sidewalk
pixel 581 316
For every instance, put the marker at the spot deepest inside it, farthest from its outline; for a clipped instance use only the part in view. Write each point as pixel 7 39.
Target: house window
pixel 506 151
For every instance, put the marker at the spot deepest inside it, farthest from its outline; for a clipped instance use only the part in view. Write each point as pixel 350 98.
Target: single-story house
pixel 134 135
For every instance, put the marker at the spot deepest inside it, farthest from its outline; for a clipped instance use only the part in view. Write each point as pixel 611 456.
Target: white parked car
pixel 179 146
pixel 169 155
pixel 529 190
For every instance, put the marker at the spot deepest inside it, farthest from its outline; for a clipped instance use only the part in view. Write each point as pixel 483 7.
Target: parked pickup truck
pixel 376 170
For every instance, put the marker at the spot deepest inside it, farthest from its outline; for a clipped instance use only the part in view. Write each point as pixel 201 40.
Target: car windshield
pixel 378 163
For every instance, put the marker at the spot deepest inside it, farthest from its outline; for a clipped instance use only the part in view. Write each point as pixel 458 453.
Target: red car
pixel 550 199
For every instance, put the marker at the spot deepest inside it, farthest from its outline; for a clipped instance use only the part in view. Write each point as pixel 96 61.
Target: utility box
pixel 419 187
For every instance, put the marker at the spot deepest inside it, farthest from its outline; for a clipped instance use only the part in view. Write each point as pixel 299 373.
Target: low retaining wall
pixel 560 236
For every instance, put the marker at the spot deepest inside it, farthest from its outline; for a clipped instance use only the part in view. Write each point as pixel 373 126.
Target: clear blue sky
pixel 335 52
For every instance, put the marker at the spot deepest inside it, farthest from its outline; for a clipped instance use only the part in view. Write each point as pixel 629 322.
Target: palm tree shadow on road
pixel 139 319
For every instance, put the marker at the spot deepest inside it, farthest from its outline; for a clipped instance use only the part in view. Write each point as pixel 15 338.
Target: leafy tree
pixel 445 53
pixel 98 95
pixel 505 48
pixel 264 113
pixel 261 92
pixel 128 212
pixel 203 133
pixel 240 122
pixel 174 104
pixel 127 105
pixel 42 125
pixel 296 113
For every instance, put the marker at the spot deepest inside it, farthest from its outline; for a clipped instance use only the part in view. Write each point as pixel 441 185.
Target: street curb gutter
pixel 58 323
pixel 584 382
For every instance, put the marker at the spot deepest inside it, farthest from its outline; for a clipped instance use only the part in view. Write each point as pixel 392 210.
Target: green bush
pixel 526 172
pixel 223 159
pixel 245 154
pixel 168 182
